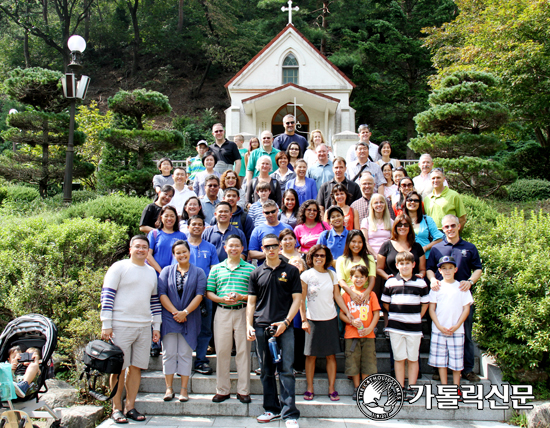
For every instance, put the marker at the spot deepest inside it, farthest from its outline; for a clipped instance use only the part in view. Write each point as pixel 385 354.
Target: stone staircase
pixel 202 388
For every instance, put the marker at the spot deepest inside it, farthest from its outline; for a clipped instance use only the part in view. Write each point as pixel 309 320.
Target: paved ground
pixel 238 422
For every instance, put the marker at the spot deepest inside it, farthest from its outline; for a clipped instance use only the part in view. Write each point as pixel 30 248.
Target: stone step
pixel 382 358
pixel 153 382
pixel 320 407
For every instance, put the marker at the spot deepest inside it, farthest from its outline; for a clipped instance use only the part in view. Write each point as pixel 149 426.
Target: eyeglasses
pixel 450 226
pixel 416 201
pixel 270 212
pixel 403 225
pixel 319 256
pixel 218 131
pixel 289 123
pixel 212 185
pixel 293 149
pixel 271 247
pixel 312 210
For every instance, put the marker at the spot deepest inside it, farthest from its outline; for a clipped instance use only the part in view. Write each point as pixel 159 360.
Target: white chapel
pixel 290 75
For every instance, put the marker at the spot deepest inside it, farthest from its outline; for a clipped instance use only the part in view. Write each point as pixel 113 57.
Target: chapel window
pixel 290 69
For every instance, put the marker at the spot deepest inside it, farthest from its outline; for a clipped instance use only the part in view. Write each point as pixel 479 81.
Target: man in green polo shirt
pixel 443 201
pixel 265 149
pixel 228 287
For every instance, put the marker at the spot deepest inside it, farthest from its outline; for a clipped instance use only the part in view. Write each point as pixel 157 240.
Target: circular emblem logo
pixel 380 397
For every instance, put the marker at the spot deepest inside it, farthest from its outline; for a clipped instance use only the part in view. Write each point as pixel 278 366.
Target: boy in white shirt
pixel 449 308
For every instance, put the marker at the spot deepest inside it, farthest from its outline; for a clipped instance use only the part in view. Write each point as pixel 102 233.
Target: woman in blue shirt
pixel 425 230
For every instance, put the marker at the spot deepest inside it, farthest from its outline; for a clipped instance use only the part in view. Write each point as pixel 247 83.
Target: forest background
pixel 397 52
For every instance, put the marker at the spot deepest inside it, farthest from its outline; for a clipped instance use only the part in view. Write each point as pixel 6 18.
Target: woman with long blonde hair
pixel 316 138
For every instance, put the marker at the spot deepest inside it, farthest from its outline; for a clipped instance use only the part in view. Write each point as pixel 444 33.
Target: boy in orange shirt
pixel 359 335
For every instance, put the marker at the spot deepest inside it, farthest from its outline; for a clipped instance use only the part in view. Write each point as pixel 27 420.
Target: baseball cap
pixel 446 259
pixel 334 208
pixel 202 142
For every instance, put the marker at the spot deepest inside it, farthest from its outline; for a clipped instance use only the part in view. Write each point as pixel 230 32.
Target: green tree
pixel 509 38
pixel 381 48
pixel 458 130
pixel 92 122
pixel 44 125
pixel 127 157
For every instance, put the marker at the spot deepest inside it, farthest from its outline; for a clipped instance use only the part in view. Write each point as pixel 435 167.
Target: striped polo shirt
pixel 223 280
pixel 405 299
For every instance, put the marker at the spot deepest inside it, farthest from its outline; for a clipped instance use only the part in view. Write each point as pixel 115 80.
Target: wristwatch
pixel 186 312
pixel 471 282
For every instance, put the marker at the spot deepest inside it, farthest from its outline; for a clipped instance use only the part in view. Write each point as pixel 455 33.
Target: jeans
pixel 468 343
pixel 205 335
pixel 286 404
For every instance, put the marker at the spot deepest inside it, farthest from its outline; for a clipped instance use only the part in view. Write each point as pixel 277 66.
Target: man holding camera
pixel 274 296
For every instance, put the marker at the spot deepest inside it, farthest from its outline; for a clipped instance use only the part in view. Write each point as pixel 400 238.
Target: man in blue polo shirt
pixel 216 234
pixel 271 225
pixel 335 238
pixel 469 270
pixel 283 141
pixel 203 255
pixel 322 171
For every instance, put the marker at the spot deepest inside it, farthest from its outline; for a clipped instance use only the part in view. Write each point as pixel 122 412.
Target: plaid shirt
pixel 362 206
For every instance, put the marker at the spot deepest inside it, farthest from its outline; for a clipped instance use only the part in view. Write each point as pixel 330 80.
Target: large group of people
pixel 287 245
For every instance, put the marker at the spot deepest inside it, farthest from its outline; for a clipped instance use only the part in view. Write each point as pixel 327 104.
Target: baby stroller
pixel 37 331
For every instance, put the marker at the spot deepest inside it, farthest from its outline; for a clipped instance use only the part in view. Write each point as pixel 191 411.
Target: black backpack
pixel 101 358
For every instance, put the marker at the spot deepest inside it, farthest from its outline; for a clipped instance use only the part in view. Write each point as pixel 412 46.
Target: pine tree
pixel 459 131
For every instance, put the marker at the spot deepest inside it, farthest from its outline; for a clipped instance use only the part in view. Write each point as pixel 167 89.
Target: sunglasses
pixel 406 185
pixel 218 131
pixel 289 123
pixel 450 226
pixel 416 201
pixel 270 212
pixel 319 256
pixel 212 185
pixel 271 247
pixel 403 225
pixel 312 210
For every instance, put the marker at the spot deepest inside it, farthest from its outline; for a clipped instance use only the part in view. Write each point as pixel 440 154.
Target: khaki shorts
pixel 405 346
pixel 362 359
pixel 135 342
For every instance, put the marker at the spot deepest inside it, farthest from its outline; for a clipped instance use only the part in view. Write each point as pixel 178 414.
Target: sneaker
pixel 459 393
pixel 408 394
pixel 267 417
pixel 354 396
pixel 204 368
pixel 292 423
pixel 21 388
pixel 472 377
pixel 258 371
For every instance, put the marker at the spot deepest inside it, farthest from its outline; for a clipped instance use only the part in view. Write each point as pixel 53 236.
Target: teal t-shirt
pixel 243 152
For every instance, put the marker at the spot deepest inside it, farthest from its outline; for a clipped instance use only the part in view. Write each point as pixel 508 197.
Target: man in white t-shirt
pixel 181 190
pixel 364 137
pixel 129 301
pixel 423 182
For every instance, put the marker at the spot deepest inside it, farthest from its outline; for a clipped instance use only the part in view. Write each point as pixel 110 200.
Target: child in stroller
pixel 24 373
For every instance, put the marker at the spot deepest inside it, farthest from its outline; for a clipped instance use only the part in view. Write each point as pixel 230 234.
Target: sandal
pixel 183 398
pixel 135 415
pixel 334 396
pixel 119 417
pixel 169 395
pixel 308 396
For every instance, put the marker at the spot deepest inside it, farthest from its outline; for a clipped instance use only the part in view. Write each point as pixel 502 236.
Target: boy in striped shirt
pixel 405 299
pixel 228 287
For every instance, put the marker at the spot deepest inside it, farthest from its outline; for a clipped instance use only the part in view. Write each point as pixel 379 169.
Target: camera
pixel 26 357
pixel 271 331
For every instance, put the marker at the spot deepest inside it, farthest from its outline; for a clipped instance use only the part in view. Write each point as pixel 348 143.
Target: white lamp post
pixel 73 88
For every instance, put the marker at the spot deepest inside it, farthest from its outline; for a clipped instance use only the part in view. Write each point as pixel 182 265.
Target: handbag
pixel 101 358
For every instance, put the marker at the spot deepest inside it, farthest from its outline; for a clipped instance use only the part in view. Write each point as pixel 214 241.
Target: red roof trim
pixel 288 28
pixel 280 88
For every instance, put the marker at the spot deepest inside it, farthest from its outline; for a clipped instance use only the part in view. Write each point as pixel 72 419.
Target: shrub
pixel 56 269
pixel 123 210
pixel 527 190
pixel 78 196
pixel 22 194
pixel 512 299
pixel 413 170
pixel 480 217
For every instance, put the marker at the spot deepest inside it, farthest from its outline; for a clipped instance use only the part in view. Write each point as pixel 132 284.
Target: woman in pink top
pixel 377 226
pixel 310 225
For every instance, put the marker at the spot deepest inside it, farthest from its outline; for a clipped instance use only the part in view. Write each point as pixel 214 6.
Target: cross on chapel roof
pixel 290 9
